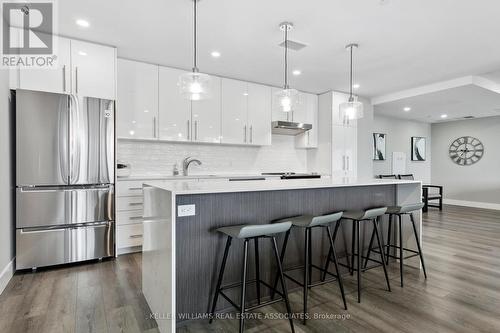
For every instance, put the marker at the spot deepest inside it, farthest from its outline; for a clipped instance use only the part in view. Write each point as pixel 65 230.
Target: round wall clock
pixel 466 150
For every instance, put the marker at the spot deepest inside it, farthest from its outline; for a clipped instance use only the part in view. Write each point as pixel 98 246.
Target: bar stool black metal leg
pixel 389 239
pixel 358 264
pixel 327 264
pixel 381 254
pixel 369 249
pixel 243 287
pixel 257 268
pixel 310 267
pixel 337 270
pixel 219 280
pixel 283 285
pixel 282 258
pixel 306 271
pixel 353 244
pixel 401 257
pixel 421 255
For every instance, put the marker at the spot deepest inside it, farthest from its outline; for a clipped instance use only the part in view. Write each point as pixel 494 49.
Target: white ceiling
pixel 456 101
pixel 403 44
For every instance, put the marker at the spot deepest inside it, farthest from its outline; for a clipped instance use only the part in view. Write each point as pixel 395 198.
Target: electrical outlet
pixel 186 210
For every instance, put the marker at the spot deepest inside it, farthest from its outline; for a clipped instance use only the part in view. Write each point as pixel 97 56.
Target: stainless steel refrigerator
pixel 64 179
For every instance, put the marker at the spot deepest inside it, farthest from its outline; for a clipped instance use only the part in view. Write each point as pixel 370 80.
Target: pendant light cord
pixel 350 78
pixel 286 57
pixel 195 67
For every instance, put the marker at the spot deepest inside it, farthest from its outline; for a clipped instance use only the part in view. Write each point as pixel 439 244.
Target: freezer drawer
pixel 63 205
pixel 38 248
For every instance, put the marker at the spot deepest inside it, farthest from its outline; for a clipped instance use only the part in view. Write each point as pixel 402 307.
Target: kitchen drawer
pixel 129 235
pixel 129 188
pixel 129 217
pixel 129 203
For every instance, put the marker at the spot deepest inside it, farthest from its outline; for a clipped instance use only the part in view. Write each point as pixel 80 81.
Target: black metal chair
pixel 252 232
pixel 399 211
pixel 307 223
pixel 387 177
pixel 428 195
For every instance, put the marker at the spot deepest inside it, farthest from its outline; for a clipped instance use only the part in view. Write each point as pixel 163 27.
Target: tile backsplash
pixel 150 158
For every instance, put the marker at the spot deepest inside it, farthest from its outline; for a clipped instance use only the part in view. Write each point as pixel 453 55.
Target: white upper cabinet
pixel 206 115
pixel 174 110
pixel 246 113
pixel 55 80
pixel 308 114
pixel 83 69
pixel 234 111
pixel 259 114
pixel 93 70
pixel 137 102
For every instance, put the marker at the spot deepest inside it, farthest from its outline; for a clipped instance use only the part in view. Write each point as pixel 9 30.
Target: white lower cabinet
pixel 128 236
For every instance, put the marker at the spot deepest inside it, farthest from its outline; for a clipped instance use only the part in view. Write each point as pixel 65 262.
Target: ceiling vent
pixel 469 117
pixel 293 45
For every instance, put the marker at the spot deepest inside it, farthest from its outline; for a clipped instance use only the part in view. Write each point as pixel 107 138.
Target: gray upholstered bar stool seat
pixel 357 217
pixel 400 211
pixel 308 222
pixel 247 233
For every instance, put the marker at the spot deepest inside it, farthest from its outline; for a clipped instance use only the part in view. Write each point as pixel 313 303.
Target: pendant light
pixel 194 85
pixel 351 109
pixel 286 99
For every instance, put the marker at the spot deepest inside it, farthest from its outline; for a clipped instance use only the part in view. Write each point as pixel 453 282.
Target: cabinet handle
pixel 76 79
pixel 154 127
pixel 135 188
pixel 245 133
pixel 308 140
pixel 196 129
pixel 136 218
pixel 251 134
pixel 136 236
pixel 343 162
pixel 188 130
pixel 348 168
pixel 135 204
pixel 64 78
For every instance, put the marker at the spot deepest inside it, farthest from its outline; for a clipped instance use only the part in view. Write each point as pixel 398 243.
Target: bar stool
pixel 249 232
pixel 308 222
pixel 400 211
pixel 357 251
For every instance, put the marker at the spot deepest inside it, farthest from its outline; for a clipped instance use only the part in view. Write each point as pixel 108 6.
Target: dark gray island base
pixel 198 249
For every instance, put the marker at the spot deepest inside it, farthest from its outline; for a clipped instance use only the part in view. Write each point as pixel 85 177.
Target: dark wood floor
pixel 461 294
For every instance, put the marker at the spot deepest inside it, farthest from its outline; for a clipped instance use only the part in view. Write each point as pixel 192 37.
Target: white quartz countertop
pixel 189 187
pixel 191 177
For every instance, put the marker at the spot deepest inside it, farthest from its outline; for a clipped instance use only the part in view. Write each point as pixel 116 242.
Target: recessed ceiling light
pixel 406 109
pixel 444 116
pixel 146 111
pixel 82 53
pixel 215 54
pixel 83 23
pixel 356 86
pixel 296 72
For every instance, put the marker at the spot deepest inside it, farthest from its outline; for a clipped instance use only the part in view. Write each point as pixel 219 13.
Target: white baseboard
pixel 475 204
pixel 6 274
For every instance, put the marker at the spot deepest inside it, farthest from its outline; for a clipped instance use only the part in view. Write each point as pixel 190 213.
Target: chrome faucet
pixel 186 162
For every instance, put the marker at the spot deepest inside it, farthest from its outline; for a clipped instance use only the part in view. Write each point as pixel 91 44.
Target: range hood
pixel 289 128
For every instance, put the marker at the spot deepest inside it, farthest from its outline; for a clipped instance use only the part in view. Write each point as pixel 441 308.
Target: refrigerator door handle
pixel 74 141
pixel 63 135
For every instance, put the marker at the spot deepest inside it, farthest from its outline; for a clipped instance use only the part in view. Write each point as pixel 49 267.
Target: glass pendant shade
pixel 286 100
pixel 194 86
pixel 352 109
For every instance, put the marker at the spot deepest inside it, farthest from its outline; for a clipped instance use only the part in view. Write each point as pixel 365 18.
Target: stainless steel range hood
pixel 289 128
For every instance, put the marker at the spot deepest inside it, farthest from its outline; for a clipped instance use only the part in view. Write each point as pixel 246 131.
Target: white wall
pixel 158 158
pixel 399 133
pixel 478 183
pixel 365 130
pixel 6 183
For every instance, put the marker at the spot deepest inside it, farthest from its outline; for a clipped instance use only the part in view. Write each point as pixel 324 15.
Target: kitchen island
pixel 182 251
